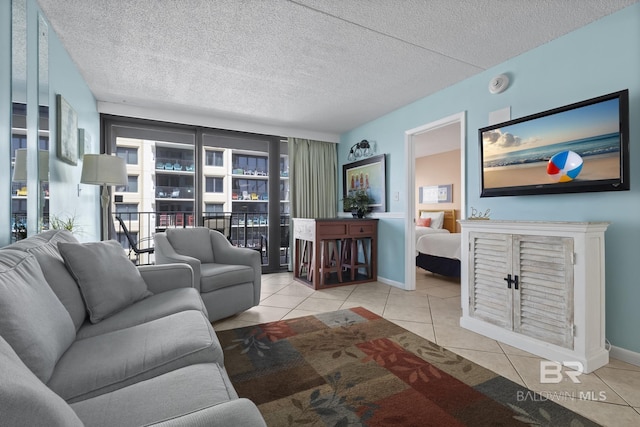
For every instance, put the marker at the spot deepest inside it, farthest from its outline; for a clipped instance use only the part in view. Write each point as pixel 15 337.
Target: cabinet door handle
pixel 508 280
pixel 361 230
pixel 511 281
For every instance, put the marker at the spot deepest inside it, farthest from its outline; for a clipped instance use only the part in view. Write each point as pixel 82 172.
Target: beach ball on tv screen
pixel 564 166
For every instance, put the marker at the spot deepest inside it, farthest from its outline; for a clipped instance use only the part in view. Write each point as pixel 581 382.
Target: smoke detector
pixel 499 84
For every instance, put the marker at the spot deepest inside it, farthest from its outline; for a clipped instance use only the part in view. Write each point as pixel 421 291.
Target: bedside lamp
pixel 105 170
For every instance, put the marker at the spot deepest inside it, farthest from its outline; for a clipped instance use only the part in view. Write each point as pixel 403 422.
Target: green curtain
pixel 313 167
pixel 313 172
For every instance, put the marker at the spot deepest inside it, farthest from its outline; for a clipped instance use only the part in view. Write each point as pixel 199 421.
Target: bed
pixel 438 246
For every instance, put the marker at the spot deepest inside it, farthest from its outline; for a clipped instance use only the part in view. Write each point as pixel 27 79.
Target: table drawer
pixel 332 229
pixel 361 229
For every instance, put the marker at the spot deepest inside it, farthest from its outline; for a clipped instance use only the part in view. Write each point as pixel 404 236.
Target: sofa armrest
pixel 238 412
pixel 165 254
pixel 165 277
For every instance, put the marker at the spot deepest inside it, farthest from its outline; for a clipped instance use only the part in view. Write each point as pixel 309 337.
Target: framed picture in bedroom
pixel 66 131
pixel 368 175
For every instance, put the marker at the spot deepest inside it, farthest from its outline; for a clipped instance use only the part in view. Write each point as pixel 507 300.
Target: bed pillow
pixel 423 222
pixel 437 218
pixel 108 280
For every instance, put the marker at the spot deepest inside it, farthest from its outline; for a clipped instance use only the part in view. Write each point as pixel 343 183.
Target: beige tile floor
pixel 609 396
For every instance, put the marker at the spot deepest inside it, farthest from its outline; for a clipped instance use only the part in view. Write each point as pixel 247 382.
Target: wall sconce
pixel 359 150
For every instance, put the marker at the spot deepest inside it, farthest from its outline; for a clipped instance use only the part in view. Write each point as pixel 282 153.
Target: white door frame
pixel 410 209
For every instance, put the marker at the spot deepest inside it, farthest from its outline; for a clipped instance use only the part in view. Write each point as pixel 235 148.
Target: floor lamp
pixel 105 170
pixel 20 175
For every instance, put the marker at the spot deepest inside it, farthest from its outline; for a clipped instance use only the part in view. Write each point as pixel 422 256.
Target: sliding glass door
pixel 184 176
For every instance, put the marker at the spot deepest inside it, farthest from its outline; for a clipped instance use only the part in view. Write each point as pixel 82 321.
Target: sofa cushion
pixel 108 280
pixel 32 319
pixel 169 395
pixel 216 276
pixel 103 363
pixel 146 310
pixel 45 248
pixel 25 400
pixel 193 242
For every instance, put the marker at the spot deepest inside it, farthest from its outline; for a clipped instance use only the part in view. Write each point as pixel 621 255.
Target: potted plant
pixel 64 223
pixel 358 203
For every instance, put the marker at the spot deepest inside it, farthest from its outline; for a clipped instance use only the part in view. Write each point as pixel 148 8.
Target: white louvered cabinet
pixel 538 286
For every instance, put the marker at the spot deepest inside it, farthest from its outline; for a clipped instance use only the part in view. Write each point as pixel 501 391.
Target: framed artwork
pixel 67 131
pixel 368 175
pixel 436 194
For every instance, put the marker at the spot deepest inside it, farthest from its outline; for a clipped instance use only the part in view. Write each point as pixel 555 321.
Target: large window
pixel 250 189
pixel 250 165
pixel 213 207
pixel 131 187
pixel 178 174
pixel 129 154
pixel 127 211
pixel 214 185
pixel 214 158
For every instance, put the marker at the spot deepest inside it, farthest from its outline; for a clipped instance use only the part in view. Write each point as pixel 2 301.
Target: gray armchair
pixel 227 277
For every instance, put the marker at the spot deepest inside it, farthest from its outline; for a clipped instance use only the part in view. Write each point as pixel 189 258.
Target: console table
pixel 335 251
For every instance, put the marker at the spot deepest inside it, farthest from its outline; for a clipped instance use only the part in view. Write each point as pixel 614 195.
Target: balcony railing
pixel 169 192
pixel 175 165
pixel 242 229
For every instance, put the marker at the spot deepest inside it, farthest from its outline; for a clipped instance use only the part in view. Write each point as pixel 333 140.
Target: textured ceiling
pixel 318 65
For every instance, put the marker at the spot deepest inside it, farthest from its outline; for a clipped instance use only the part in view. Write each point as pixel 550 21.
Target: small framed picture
pixel 67 131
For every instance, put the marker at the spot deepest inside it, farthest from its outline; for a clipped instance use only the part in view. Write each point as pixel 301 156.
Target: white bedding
pixel 424 231
pixel 445 245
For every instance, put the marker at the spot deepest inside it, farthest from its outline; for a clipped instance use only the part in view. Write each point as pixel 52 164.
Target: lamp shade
pixel 20 165
pixel 103 169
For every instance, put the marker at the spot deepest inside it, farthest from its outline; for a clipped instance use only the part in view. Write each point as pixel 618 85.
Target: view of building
pixel 166 189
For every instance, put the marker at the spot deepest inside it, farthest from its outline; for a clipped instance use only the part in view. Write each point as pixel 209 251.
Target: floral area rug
pixel 354 368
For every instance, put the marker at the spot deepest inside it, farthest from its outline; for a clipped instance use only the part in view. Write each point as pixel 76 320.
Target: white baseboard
pixel 391 282
pixel 625 355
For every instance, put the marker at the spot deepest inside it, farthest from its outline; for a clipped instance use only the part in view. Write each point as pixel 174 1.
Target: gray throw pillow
pixel 107 279
pixel 32 319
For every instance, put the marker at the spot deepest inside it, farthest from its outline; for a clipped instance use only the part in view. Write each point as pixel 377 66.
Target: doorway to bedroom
pixel 433 151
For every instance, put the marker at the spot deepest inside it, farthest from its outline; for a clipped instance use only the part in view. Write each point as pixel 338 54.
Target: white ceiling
pixel 318 65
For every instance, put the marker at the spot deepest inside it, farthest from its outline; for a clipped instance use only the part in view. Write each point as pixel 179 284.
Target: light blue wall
pixel 595 60
pixel 65 79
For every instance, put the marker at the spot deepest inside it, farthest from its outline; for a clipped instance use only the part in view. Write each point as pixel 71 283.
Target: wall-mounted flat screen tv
pixel 580 147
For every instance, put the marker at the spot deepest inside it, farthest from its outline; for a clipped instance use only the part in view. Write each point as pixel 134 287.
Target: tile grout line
pixel 612 389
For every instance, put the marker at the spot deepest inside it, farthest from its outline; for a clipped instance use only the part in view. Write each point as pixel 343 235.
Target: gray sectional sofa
pixel 88 339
